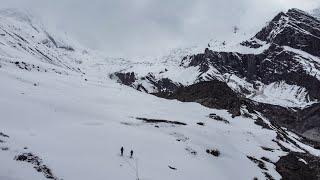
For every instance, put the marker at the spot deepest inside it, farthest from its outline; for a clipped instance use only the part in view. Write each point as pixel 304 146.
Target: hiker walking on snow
pixel 121 151
pixel 131 154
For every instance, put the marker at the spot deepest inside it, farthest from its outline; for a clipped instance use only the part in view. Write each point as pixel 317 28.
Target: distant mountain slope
pixel 281 67
pixel 21 38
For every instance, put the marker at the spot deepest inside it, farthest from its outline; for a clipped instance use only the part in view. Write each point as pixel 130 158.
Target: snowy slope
pixel 60 105
pixel 282 94
pixel 77 127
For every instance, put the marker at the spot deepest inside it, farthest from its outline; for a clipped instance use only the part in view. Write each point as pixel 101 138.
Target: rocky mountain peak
pixel 295 28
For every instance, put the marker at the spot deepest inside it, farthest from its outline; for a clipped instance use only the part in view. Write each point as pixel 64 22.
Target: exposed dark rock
pixel 146 120
pixel 216 94
pixel 296 29
pixel 180 137
pixel 218 118
pixel 173 168
pixel 163 85
pixel 4 135
pixel 4 148
pixel 267 160
pixel 247 115
pixel 281 146
pixel 277 114
pixel 251 43
pixel 261 123
pixel 200 123
pixel 260 163
pixel 38 164
pixel 191 151
pixel 268 176
pixel 267 148
pixel 309 119
pixel 293 167
pixel 262 166
pixel 297 120
pixel 68 48
pixel 313 143
pixel 273 65
pixel 212 94
pixel 126 78
pixel 213 152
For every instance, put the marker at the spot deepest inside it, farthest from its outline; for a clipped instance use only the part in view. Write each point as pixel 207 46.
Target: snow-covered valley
pixel 58 102
pixel 78 127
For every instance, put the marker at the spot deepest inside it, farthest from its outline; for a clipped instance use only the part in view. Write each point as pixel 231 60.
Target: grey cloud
pixel 149 27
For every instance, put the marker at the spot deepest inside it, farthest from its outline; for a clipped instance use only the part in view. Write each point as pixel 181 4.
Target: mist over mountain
pixel 153 27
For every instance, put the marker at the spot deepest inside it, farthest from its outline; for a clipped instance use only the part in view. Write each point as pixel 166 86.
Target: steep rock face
pixel 273 65
pixel 296 29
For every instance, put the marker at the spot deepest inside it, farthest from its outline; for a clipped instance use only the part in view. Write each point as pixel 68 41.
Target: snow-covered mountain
pixel 65 116
pixel 287 45
pixel 280 65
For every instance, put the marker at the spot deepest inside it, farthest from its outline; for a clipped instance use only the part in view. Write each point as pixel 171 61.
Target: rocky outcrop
pixel 299 166
pixel 37 163
pixel 125 78
pixel 159 85
pixel 212 94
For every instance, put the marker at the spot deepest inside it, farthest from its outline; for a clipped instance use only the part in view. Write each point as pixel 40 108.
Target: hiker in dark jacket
pixel 131 154
pixel 121 151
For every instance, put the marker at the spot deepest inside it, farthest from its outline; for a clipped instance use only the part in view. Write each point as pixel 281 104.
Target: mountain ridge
pixel 252 74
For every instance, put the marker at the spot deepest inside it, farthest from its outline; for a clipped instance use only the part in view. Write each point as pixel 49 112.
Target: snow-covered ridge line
pixel 21 37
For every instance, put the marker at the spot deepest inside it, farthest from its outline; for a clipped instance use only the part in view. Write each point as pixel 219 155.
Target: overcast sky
pixel 131 28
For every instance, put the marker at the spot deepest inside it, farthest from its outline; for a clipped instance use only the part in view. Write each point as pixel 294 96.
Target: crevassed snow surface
pixel 62 106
